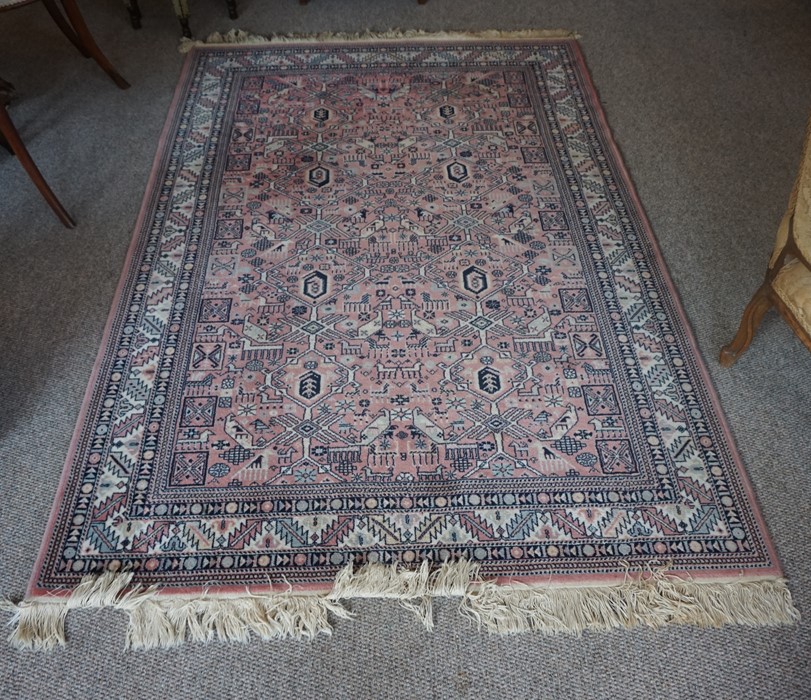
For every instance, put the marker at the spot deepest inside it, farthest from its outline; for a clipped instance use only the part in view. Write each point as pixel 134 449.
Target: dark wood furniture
pixel 75 29
pixel 73 26
pixel 12 141
pixel 181 10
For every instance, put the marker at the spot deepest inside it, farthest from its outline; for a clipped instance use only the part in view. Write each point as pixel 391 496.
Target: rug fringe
pixel 37 626
pixel 170 621
pixel 413 589
pixel 655 599
pixel 40 624
pixel 240 36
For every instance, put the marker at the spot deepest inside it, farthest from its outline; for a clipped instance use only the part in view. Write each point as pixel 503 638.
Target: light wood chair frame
pixel 764 299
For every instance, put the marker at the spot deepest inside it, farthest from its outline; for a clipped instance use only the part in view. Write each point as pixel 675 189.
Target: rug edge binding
pixel 656 599
pixel 240 36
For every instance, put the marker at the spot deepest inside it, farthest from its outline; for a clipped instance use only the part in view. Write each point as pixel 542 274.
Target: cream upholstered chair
pixel 787 286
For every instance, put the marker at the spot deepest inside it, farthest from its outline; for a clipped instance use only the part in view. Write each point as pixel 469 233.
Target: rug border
pixel 185 71
pixel 701 362
pixel 592 97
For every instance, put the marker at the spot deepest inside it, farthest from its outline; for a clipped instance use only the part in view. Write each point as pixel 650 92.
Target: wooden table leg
pixel 87 40
pixel 10 135
pixel 232 9
pixel 62 23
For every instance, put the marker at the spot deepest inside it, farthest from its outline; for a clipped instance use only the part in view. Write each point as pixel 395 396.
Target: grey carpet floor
pixel 707 101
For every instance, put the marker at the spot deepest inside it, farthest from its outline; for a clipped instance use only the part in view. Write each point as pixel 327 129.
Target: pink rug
pixel 398 304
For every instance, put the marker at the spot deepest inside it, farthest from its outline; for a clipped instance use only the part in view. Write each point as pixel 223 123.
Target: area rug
pixel 393 324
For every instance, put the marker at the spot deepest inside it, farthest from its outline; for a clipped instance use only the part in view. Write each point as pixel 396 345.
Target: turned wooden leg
pixel 135 13
pixel 13 139
pixel 184 26
pixel 752 316
pixel 62 23
pixel 89 43
pixel 421 2
pixel 303 2
pixel 232 9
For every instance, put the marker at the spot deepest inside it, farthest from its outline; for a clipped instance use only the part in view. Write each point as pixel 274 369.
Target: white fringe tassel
pixel 414 590
pixel 654 599
pixel 40 624
pixel 240 36
pixel 169 621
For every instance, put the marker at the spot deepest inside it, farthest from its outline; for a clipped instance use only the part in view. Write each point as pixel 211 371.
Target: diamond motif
pixel 313 327
pixel 481 322
pixel 465 221
pixel 307 428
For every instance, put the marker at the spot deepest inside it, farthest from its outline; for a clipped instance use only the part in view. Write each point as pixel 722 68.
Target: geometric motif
pixel 600 400
pixel 535 154
pixel 587 345
pixel 310 385
pixel 189 468
pixel 574 300
pixel 315 284
pixel 208 355
pixel 215 310
pixel 396 304
pixel 198 411
pixel 553 221
pixel 615 456
pixel 229 229
pixel 489 380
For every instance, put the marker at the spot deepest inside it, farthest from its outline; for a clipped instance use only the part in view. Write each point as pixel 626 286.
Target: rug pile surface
pixel 395 305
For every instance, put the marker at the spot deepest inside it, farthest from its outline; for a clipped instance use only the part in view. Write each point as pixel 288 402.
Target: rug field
pixel 393 324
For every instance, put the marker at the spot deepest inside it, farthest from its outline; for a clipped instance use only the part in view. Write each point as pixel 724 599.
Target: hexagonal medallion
pixel 489 380
pixel 474 280
pixel 319 176
pixel 314 285
pixel 457 171
pixel 310 385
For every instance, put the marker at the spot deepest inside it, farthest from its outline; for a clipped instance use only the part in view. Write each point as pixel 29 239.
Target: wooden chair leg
pixel 62 23
pixel 752 316
pixel 184 26
pixel 232 9
pixel 9 132
pixel 5 144
pixel 87 40
pixel 134 10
